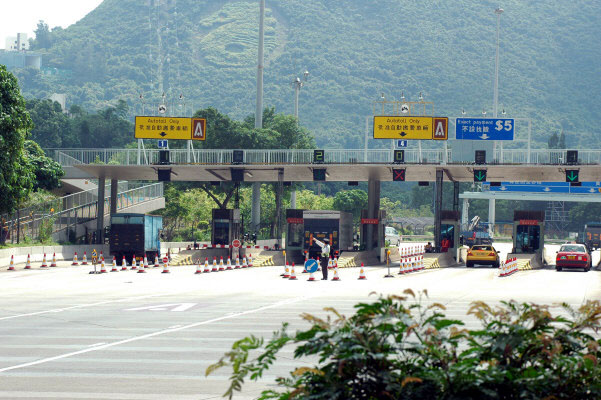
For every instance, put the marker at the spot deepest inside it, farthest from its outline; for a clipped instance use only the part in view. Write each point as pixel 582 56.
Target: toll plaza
pixel 529 235
pixel 225 226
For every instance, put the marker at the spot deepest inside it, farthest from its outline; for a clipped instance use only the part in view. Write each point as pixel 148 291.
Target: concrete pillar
pixel 293 199
pixel 100 212
pixel 491 216
pixel 256 208
pixel 114 187
pixel 373 208
pixel 456 196
pixel 465 214
pixel 438 207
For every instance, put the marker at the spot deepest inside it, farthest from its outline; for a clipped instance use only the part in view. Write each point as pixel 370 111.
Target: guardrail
pixel 44 221
pixel 70 157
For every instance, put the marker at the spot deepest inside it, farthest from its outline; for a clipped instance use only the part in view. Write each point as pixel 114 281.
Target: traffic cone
pixel 134 263
pixel 85 259
pixel 142 266
pixel 214 269
pixel 336 277
pixel 74 260
pixel 165 267
pixel 221 266
pixel 330 266
pixel 292 274
pixel 401 265
pixel 237 263
pixel 28 264
pixel 206 270
pixel 250 261
pixel 145 261
pixel 114 269
pixel 244 265
pixel 11 267
pixel 362 273
pixel 102 267
pixel 44 263
pixel 311 277
pixel 53 263
pixel 198 269
pixel 156 261
pixel 124 264
pixel 286 273
pixel 229 264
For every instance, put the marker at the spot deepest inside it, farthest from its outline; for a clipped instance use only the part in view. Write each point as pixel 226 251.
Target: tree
pixel 16 177
pixel 52 128
pixel 48 173
pixel 43 38
pixel 352 201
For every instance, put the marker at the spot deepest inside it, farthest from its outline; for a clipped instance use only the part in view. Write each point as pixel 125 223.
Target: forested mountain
pixel 550 59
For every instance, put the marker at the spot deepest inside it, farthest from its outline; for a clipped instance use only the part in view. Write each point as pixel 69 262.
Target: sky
pixel 23 15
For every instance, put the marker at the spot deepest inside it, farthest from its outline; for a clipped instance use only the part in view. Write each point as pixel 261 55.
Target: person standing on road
pixel 325 256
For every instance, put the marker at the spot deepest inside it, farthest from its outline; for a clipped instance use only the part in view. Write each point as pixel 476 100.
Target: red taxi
pixel 573 256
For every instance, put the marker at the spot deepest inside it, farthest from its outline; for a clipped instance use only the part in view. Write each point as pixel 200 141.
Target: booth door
pixel 447 231
pixel 527 239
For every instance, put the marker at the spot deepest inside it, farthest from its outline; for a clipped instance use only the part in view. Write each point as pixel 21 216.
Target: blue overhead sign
pixel 484 128
pixel 162 144
pixel 544 187
pixel 401 143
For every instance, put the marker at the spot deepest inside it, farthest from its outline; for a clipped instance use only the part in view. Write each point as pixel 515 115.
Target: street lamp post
pixel 498 12
pixel 297 84
pixel 256 193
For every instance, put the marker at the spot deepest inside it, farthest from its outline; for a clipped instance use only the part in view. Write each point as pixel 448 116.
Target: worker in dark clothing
pixel 325 256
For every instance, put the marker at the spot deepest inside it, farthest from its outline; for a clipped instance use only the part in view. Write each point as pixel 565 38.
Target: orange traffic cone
pixel 134 263
pixel 221 266
pixel 165 268
pixel 74 260
pixel 85 259
pixel 362 273
pixel 198 269
pixel 142 266
pixel 206 270
pixel 214 269
pixel 311 277
pixel 156 261
pixel 244 265
pixel 44 263
pixel 286 273
pixel 114 269
pixel 102 266
pixel 292 274
pixel 336 277
pixel 229 264
pixel 250 261
pixel 237 263
pixel 124 264
pixel 53 263
pixel 145 261
pixel 28 264
pixel 12 263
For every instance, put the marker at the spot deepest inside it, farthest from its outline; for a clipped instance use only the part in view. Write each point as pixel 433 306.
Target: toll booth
pixel 449 231
pixel 337 226
pixel 379 225
pixel 225 226
pixel 528 232
pixel 295 234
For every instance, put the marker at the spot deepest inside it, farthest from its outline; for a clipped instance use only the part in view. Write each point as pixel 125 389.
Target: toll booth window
pixel 527 239
pixel 135 220
pixel 221 230
pixel 295 235
pixel 447 231
pixel 117 219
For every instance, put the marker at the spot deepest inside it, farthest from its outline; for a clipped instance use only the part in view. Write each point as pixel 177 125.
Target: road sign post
pixel 389 275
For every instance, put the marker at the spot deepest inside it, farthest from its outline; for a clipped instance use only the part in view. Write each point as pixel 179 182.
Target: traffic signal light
pixel 164 175
pixel 572 157
pixel 479 175
pixel 572 175
pixel 237 174
pixel 480 157
pixel 399 156
pixel 319 174
pixel 398 174
pixel 238 157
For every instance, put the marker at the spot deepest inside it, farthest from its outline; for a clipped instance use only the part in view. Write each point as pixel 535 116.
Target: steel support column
pixel 114 187
pixel 373 208
pixel 256 208
pixel 100 212
pixel 438 207
pixel 465 214
pixel 491 216
pixel 456 196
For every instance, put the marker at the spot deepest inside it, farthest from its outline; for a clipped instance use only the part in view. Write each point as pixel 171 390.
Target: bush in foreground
pixel 398 348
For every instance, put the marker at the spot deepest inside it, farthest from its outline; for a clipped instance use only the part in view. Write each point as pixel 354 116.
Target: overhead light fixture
pixel 463 111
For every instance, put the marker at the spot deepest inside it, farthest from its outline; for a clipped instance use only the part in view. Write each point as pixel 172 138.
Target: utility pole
pixel 498 11
pixel 256 196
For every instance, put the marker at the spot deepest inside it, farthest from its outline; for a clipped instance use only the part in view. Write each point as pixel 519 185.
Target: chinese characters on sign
pixel 170 128
pixel 420 128
pixel 484 129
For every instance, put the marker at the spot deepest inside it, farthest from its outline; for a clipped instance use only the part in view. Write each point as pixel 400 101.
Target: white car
pixel 392 236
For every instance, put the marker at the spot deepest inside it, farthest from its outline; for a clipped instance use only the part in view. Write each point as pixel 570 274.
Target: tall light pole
pixel 256 196
pixel 498 11
pixel 297 84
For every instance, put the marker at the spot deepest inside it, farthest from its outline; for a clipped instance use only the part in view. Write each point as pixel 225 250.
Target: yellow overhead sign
pixel 409 127
pixel 170 128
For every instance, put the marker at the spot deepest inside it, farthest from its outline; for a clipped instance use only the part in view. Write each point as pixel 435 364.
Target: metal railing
pixel 70 157
pixel 60 214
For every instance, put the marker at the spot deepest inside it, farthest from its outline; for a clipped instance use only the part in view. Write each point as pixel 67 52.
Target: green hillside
pixel 354 49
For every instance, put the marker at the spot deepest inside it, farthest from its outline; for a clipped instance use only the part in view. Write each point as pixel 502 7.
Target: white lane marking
pixel 92 305
pixel 177 307
pixel 174 326
pixel 97 344
pixel 158 333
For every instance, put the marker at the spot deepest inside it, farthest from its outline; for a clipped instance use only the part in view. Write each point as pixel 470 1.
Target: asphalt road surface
pixel 65 334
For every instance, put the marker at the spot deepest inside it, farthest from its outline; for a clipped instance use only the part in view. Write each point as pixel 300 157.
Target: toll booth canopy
pixel 528 231
pixel 225 226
